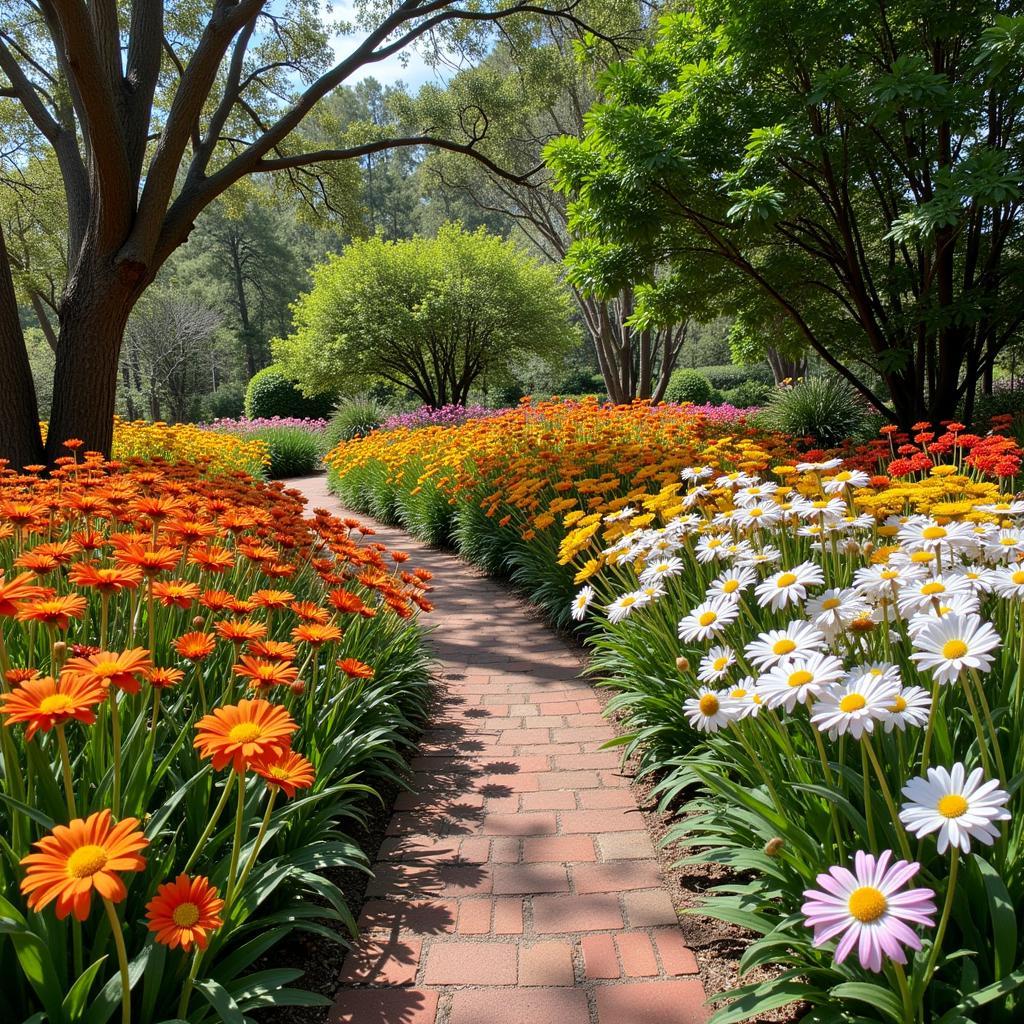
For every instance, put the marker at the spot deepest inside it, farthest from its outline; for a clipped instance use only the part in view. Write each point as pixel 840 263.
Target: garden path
pixel 517 883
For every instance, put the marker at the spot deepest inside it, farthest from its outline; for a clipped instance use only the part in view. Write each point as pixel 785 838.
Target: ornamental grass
pixel 825 668
pixel 200 689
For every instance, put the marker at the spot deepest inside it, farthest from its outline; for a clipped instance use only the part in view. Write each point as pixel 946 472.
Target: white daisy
pixel 1004 546
pixel 709 618
pixel 624 606
pixel 1003 508
pixel 710 548
pixel 624 513
pixel 662 569
pixel 823 509
pixel 875 581
pixel 581 602
pixel 745 696
pixel 911 706
pixel 715 664
pixel 709 711
pixel 816 467
pixel 854 705
pixel 931 591
pixel 794 680
pixel 754 494
pixel 951 644
pixel 695 473
pixel 1009 581
pixel 797 639
pixel 924 534
pixel 735 479
pixel 961 604
pixel 789 586
pixel 843 479
pixel 833 609
pixel 732 583
pixel 764 513
pixel 766 555
pixel 959 808
pixel 981 580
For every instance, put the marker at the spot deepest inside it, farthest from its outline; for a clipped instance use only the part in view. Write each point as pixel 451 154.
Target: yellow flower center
pixel 755 512
pixel 852 702
pixel 1008 542
pixel 709 704
pixel 55 703
pixel 738 694
pixel 185 915
pixel 933 532
pixel 729 586
pixel 935 587
pixel 842 477
pixel 890 574
pixel 867 904
pixel 706 618
pixel 829 603
pixel 801 677
pixel 627 601
pixel 784 646
pixel 954 649
pixel 86 861
pixel 898 705
pixel 719 664
pixel 1018 577
pixel 953 805
pixel 787 579
pixel 922 556
pixel 244 732
pixel 106 669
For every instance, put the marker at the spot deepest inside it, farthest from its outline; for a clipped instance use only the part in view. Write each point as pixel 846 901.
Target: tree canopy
pixel 433 315
pixel 854 167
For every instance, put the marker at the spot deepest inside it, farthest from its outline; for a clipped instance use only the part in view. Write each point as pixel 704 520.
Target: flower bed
pixel 200 688
pixel 504 489
pixel 186 442
pixel 293 445
pixel 445 416
pixel 831 684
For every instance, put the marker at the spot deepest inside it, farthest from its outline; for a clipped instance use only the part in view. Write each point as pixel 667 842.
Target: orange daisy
pixel 355 669
pixel 164 678
pixel 314 634
pixel 242 631
pixel 271 598
pixel 211 558
pixel 176 593
pixel 38 562
pixel 76 858
pixel 262 674
pixel 310 611
pixel 105 579
pixel 238 734
pixel 184 912
pixel 44 703
pixel 152 561
pixel 110 669
pixel 21 588
pixel 53 611
pixel 217 600
pixel 346 601
pixel 279 650
pixel 288 772
pixel 16 676
pixel 195 646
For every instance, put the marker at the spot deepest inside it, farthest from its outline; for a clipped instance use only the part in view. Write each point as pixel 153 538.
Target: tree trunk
pixel 92 322
pixel 20 441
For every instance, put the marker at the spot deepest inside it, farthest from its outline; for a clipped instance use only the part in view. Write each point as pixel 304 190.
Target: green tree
pixel 151 111
pixel 434 315
pixel 854 167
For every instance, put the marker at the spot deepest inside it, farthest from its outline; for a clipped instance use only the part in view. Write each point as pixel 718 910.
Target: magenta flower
pixel 870 909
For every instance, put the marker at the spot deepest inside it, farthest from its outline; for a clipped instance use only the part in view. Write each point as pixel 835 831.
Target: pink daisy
pixel 870 909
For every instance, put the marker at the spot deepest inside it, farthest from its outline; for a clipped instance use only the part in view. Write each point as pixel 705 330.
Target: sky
pixel 415 73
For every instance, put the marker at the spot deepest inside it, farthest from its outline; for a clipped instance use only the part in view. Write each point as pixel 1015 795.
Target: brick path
pixel 517 883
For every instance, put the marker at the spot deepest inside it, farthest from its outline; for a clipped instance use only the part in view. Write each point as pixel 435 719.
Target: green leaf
pixel 1004 918
pixel 78 995
pixel 219 998
pixel 883 999
pixel 984 996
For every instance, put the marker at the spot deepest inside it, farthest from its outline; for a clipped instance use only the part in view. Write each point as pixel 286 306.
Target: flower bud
pixel 683 663
pixel 774 846
pixel 298 687
pixel 197 622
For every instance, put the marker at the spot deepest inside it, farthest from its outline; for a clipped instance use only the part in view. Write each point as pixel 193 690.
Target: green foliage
pixel 271 393
pixel 689 386
pixel 433 315
pixel 729 376
pixel 227 402
pixel 749 393
pixel 354 417
pixel 293 451
pixel 825 408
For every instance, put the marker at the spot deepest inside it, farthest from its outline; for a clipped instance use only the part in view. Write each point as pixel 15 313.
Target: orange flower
pixel 279 650
pixel 43 702
pixel 211 558
pixel 309 611
pixel 109 669
pixel 314 634
pixel 105 579
pixel 175 593
pixel 346 601
pixel 195 646
pixel 184 912
pixel 16 676
pixel 39 562
pixel 241 631
pixel 288 772
pixel 21 588
pixel 76 858
pixel 355 669
pixel 238 734
pixel 271 598
pixel 152 561
pixel 164 678
pixel 53 611
pixel 262 674
pixel 217 600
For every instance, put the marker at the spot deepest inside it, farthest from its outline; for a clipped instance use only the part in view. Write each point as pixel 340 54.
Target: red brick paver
pixel 517 881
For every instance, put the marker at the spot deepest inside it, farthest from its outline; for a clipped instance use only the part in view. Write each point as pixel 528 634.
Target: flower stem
pixel 186 990
pixel 887 796
pixel 236 843
pixel 212 823
pixel 65 764
pixel 264 825
pixel 122 959
pixel 115 731
pixel 905 996
pixel 947 907
pixel 930 729
pixel 868 813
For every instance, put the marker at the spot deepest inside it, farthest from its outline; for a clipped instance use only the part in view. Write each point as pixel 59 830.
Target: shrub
pixel 748 394
pixel 271 393
pixel 689 386
pixel 227 402
pixel 728 375
pixel 1001 402
pixel 825 408
pixel 293 451
pixel 354 417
